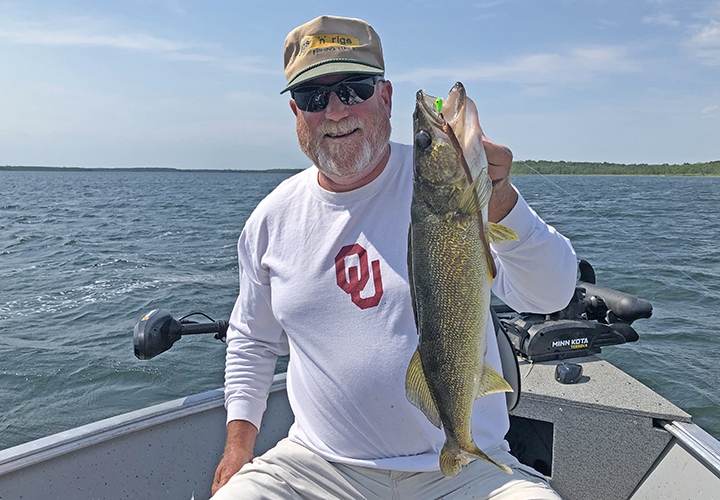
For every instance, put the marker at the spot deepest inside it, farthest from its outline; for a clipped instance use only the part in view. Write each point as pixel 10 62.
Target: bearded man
pixel 323 277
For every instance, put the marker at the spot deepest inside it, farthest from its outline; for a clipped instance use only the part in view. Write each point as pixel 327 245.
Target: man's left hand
pixel 504 195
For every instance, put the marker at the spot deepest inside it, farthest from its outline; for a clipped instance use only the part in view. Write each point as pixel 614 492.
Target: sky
pixel 195 84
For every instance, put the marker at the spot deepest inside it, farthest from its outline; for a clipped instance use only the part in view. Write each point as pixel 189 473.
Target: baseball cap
pixel 329 45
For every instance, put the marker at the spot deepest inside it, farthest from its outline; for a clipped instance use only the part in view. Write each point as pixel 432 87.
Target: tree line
pixel 545 167
pixel 520 167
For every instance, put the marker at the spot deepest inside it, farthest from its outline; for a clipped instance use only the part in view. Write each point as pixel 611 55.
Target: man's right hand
pixel 239 446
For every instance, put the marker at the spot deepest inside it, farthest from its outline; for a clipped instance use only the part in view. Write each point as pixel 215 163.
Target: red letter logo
pixel 353 279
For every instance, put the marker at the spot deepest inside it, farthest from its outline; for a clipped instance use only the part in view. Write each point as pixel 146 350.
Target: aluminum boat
pixel 603 436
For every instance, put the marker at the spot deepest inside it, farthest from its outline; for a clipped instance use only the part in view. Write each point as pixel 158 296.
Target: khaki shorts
pixel 291 471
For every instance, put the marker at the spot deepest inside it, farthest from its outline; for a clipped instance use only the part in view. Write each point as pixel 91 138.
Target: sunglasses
pixel 350 91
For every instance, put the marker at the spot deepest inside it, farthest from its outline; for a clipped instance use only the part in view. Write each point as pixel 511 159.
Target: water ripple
pixel 80 267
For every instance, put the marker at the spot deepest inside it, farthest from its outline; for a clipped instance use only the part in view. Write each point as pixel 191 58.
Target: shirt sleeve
pixel 254 340
pixel 537 273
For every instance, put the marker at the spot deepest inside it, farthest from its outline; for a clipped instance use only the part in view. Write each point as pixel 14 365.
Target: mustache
pixel 344 126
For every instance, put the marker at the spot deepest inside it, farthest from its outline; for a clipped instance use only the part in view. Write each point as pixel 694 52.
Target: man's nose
pixel 335 109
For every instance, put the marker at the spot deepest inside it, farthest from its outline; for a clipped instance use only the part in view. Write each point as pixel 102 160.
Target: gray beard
pixel 340 161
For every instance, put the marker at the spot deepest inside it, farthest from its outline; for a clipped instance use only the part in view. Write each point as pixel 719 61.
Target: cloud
pixel 251 65
pixel 661 19
pixel 89 32
pixel 133 41
pixel 705 43
pixel 176 8
pixel 177 56
pixel 708 36
pixel 580 64
pixel 710 10
pixel 488 4
pixel 709 109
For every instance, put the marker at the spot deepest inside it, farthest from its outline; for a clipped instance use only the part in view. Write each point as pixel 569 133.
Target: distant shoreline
pixel 527 167
pixel 544 167
pixel 21 168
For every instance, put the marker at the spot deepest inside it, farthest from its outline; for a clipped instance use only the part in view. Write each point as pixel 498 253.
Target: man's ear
pixel 386 94
pixel 293 106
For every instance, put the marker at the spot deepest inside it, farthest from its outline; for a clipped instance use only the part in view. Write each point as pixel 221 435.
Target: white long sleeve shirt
pixel 323 277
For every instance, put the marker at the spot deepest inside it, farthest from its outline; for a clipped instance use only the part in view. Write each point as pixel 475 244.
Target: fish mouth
pixel 451 107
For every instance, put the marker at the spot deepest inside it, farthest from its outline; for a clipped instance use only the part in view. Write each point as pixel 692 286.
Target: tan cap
pixel 330 45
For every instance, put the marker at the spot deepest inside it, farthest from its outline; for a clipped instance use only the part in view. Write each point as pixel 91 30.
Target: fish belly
pixel 451 289
pixel 451 283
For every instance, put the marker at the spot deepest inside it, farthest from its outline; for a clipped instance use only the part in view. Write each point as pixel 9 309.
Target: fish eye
pixel 423 140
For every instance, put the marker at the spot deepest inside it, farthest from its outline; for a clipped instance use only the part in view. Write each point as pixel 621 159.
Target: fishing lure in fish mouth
pixel 438 105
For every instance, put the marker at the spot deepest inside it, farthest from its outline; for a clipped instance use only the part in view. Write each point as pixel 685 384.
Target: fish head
pixel 447 147
pixel 435 159
pixel 462 117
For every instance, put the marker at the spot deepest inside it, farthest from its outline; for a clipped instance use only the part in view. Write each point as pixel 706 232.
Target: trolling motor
pixel 595 317
pixel 157 331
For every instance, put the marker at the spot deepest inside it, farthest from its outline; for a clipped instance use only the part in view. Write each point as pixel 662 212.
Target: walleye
pixel 451 270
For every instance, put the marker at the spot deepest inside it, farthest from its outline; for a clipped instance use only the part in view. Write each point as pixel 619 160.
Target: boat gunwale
pixel 55 445
pixel 702 444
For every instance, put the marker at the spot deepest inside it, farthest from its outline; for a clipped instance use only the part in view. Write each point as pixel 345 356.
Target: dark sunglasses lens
pixel 318 101
pixel 315 98
pixel 311 99
pixel 354 92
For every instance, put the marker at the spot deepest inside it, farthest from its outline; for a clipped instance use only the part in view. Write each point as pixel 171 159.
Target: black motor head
pixel 155 333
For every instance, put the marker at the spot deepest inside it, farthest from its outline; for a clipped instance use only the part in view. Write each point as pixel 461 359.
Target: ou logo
pixel 353 279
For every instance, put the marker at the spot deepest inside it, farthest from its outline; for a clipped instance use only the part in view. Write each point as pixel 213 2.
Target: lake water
pixel 84 254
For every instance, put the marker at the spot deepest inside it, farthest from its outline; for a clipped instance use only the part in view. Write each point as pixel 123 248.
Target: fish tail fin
pixel 418 391
pixel 491 382
pixel 498 233
pixel 478 453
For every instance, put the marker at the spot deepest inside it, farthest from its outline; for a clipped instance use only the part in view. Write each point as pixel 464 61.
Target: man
pixel 323 276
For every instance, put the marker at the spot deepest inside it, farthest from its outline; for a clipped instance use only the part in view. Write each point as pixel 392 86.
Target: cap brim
pixel 332 68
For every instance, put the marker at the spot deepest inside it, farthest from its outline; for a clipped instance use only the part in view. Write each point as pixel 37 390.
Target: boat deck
pixel 603 433
pixel 608 437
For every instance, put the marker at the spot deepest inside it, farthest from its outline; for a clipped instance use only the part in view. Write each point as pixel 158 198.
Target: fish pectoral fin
pixel 418 391
pixel 483 187
pixel 491 382
pixel 498 233
pixel 476 195
pixel 472 201
pixel 450 463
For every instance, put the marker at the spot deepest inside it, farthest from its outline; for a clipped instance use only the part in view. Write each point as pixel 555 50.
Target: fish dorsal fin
pixel 499 233
pixel 491 382
pixel 418 392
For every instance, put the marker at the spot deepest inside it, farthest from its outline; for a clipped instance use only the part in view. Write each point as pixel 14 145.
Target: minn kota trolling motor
pixel 595 317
